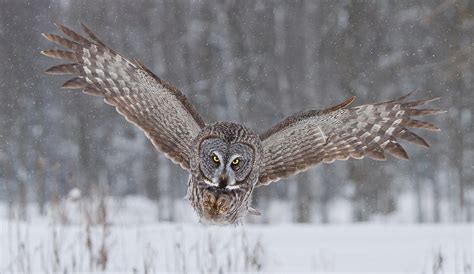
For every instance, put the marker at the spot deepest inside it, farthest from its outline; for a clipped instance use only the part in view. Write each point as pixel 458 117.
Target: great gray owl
pixel 227 160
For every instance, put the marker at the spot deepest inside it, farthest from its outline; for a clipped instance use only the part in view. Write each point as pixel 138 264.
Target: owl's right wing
pixel 337 133
pixel 158 108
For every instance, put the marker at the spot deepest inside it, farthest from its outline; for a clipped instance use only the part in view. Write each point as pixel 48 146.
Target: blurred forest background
pixel 253 62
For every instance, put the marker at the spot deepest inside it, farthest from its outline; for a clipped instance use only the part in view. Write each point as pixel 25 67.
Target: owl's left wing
pixel 158 108
pixel 337 133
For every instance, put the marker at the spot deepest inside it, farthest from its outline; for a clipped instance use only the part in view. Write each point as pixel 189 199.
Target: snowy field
pixel 84 243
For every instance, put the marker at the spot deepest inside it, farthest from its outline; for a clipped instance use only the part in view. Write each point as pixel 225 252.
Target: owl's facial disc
pixel 225 167
pixel 224 176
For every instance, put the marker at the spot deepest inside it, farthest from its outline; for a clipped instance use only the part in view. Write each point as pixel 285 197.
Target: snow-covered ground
pixel 81 242
pixel 284 248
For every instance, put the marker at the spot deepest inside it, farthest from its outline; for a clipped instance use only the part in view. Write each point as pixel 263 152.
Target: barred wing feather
pixel 158 108
pixel 338 133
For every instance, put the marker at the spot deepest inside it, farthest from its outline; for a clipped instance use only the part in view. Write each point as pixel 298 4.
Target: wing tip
pixel 91 34
pixel 424 143
pixel 376 154
pixel 402 155
pixel 350 100
pixel 407 95
pixel 70 68
pixel 74 83
pixel 46 35
pixel 344 104
pixel 84 26
pixel 431 127
pixel 441 111
pixel 52 71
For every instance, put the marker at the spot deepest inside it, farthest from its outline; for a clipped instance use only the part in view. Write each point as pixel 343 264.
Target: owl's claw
pixel 254 211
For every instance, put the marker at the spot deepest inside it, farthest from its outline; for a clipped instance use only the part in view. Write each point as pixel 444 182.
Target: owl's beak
pixel 222 180
pixel 225 181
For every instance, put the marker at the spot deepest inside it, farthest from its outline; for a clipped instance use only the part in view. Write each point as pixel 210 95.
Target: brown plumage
pixel 140 96
pixel 338 133
pixel 226 160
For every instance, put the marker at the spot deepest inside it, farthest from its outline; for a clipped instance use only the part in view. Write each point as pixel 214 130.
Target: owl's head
pixel 227 156
pixel 226 165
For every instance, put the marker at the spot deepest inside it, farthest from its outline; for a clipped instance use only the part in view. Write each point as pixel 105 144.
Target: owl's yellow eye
pixel 236 161
pixel 215 158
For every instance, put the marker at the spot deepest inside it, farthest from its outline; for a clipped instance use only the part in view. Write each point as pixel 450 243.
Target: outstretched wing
pixel 337 133
pixel 159 109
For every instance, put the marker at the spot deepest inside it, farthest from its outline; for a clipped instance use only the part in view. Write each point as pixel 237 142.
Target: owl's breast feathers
pixel 215 207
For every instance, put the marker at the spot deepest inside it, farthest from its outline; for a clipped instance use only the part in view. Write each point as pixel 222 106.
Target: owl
pixel 226 160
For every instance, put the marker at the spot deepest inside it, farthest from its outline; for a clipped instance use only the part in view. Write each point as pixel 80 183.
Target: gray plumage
pixel 226 160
